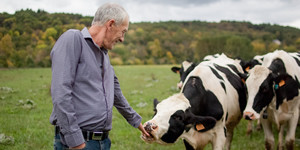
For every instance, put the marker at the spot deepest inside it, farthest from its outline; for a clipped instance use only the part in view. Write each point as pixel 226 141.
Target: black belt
pixel 89 135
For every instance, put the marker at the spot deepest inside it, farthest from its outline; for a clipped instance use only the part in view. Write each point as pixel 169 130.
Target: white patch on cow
pixel 165 109
pixel 257 76
pixel 186 65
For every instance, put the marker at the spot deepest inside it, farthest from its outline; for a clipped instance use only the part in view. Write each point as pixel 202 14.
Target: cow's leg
pixel 187 145
pixel 229 136
pixel 291 131
pixel 249 127
pixel 280 137
pixel 258 125
pixel 218 142
pixel 269 137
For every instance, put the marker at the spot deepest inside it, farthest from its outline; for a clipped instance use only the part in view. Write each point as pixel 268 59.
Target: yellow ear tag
pixel 177 71
pixel 200 127
pixel 247 69
pixel 281 83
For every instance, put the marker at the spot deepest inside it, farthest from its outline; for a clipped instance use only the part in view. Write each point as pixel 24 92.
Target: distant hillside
pixel 26 39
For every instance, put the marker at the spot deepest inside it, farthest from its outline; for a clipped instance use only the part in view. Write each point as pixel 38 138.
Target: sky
pixel 281 12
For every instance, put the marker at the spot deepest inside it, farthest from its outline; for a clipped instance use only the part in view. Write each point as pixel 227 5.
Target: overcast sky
pixel 282 12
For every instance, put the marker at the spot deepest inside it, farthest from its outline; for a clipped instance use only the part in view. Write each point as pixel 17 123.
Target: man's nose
pixel 121 39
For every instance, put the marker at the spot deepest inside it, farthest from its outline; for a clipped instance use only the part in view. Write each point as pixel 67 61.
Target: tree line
pixel 27 37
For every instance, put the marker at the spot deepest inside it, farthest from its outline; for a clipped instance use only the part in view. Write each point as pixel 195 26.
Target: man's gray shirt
pixel 84 88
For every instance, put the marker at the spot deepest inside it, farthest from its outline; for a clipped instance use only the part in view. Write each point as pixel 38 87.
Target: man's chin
pixel 107 48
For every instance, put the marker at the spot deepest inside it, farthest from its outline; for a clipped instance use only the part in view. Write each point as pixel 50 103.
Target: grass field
pixel 25 107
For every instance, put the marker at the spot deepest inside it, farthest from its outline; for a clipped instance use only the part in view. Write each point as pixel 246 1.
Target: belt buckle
pixel 97 136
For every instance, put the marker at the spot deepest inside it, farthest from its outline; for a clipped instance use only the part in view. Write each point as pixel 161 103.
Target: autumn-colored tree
pixel 6 50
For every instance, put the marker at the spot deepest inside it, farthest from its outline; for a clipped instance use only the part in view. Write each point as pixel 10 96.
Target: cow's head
pixel 263 86
pixel 250 64
pixel 186 68
pixel 172 118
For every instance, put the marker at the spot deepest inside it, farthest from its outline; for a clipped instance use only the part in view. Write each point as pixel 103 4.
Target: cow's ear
pixel 285 88
pixel 175 69
pixel 155 102
pixel 200 123
pixel 280 80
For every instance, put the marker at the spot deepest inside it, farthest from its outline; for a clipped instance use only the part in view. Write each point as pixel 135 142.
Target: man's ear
pixel 200 123
pixel 110 23
pixel 175 69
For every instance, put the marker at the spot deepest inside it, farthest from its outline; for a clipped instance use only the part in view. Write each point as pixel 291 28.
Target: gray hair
pixel 110 11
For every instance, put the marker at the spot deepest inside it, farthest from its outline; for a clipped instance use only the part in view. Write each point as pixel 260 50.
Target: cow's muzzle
pixel 249 116
pixel 149 127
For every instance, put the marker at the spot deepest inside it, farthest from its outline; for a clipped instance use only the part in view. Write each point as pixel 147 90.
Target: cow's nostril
pixel 248 117
pixel 154 127
pixel 148 127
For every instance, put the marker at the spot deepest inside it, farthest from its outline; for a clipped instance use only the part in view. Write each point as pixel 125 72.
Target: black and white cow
pixel 273 90
pixel 183 71
pixel 187 66
pixel 206 110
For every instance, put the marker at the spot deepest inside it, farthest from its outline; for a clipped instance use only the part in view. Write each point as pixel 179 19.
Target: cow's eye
pixel 177 118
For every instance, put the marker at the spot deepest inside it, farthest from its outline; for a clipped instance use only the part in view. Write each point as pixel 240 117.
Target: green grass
pixel 31 129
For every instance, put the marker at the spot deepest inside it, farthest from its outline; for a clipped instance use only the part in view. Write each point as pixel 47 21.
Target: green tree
pixel 237 46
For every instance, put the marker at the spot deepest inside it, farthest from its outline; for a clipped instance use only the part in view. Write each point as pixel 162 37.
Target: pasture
pixel 25 107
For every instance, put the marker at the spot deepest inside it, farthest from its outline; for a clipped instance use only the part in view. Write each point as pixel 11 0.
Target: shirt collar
pixel 86 35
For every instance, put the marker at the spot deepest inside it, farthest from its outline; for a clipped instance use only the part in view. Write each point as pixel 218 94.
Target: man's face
pixel 115 34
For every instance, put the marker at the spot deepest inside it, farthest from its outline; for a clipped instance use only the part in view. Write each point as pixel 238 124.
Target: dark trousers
pixel 90 145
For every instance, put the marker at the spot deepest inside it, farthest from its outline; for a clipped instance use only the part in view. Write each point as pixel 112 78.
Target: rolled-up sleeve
pixel 65 56
pixel 120 102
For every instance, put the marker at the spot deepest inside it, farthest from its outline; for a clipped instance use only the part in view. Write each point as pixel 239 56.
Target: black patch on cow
pixel 216 73
pixel 176 127
pixel 203 102
pixel 233 67
pixel 265 94
pixel 288 91
pixel 219 77
pixel 180 120
pixel 187 145
pixel 225 131
pixel 297 60
pixel 237 83
pixel 223 86
pixel 277 66
pixel 226 116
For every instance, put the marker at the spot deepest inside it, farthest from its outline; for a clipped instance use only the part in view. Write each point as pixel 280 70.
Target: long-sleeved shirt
pixel 84 88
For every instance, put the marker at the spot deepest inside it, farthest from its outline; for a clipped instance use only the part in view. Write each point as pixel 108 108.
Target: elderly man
pixel 84 87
